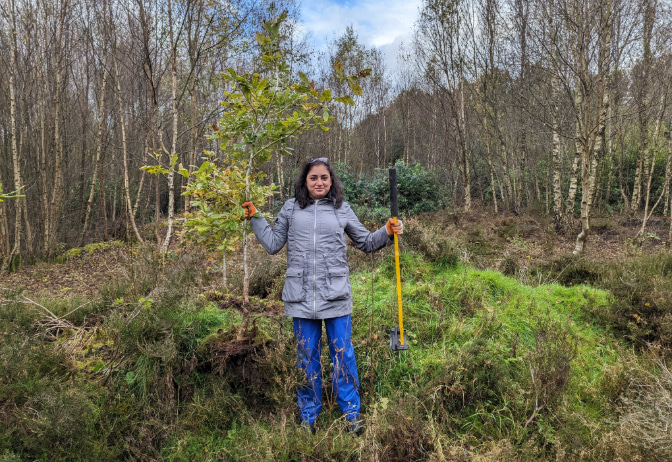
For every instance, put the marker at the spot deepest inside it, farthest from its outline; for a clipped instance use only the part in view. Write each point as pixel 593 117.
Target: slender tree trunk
pixel 621 179
pixel 587 187
pixel 103 203
pixel 246 265
pixel 610 152
pixel 281 176
pixel 96 167
pixel 114 204
pixel 462 126
pixel 173 149
pixel 593 139
pixel 668 174
pixel 4 234
pixel 644 164
pixel 573 186
pixel 16 164
pixel 522 184
pixel 649 174
pixel 28 243
pixel 377 141
pixel 43 154
pixel 557 180
pixel 157 212
pixel 548 190
pixel 649 11
pixel 193 133
pixel 124 149
pixel 225 282
pixel 148 198
pixel 491 169
pixel 637 185
pixel 57 196
pixel 27 228
pixel 141 186
pixel 506 166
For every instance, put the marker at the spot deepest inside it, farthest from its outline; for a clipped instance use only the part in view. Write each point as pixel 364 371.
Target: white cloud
pixel 377 22
pixel 391 51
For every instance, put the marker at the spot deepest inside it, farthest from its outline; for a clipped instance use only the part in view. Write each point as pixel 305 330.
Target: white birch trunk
pixel 124 149
pixel 649 175
pixel 16 165
pixel 96 167
pixel 173 147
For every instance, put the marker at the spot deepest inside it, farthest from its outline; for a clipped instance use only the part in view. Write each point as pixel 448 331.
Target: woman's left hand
pixel 250 210
pixel 394 228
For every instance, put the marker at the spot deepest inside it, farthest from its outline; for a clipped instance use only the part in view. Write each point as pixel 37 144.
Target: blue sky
pixel 379 23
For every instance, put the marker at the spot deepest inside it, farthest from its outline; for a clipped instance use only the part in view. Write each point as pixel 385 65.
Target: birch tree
pixel 440 56
pixel 15 252
pixel 592 30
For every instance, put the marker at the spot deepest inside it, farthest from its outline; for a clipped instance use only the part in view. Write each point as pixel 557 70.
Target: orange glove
pixel 394 228
pixel 250 210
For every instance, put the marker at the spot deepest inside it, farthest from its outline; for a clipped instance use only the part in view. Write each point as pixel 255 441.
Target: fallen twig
pixel 138 308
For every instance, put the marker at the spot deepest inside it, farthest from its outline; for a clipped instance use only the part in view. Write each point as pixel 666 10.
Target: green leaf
pixel 345 100
pixel 173 161
pixel 183 171
pixel 155 169
pixel 338 70
pixel 354 86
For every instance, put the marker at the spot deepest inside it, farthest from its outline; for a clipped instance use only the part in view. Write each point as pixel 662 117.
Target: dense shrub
pixel 642 298
pixel 46 412
pixel 419 190
pixel 430 240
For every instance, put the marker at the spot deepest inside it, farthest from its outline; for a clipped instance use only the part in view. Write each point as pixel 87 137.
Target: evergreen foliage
pixel 420 190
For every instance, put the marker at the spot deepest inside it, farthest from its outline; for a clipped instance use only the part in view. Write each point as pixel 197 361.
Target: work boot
pixel 309 427
pixel 355 427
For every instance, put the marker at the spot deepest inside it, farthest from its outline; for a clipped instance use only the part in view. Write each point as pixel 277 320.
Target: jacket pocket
pixel 338 284
pixel 293 290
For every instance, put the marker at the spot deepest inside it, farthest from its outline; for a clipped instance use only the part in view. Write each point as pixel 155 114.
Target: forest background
pixel 559 106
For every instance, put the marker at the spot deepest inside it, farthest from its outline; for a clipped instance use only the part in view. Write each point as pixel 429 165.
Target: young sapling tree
pixel 264 110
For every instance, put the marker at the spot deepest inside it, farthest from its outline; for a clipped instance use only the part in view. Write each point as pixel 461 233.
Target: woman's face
pixel 318 182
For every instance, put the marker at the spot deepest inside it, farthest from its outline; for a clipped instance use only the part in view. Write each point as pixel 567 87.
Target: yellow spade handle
pixel 396 261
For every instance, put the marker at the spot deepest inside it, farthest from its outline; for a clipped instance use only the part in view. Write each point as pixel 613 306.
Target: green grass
pixel 465 318
pixel 495 369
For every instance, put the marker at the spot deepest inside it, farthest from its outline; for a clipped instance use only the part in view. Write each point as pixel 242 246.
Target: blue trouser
pixel 308 333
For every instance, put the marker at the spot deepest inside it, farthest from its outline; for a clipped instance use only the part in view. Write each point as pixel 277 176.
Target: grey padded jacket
pixel 317 282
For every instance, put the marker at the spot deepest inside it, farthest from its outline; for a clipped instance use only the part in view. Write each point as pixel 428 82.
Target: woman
pixel 317 284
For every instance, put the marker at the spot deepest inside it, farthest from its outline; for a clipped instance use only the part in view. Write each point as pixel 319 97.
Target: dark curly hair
pixel 301 190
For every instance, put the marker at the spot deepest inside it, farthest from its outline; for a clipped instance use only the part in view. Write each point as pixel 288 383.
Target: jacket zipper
pixel 315 263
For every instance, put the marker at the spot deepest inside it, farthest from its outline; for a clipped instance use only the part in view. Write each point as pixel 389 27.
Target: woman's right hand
pixel 250 209
pixel 394 228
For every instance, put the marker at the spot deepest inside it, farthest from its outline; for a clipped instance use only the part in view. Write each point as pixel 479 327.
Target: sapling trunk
pixel 224 280
pixel 246 287
pixel 246 269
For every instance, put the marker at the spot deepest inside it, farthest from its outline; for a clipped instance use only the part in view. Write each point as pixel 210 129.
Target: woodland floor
pixel 526 238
